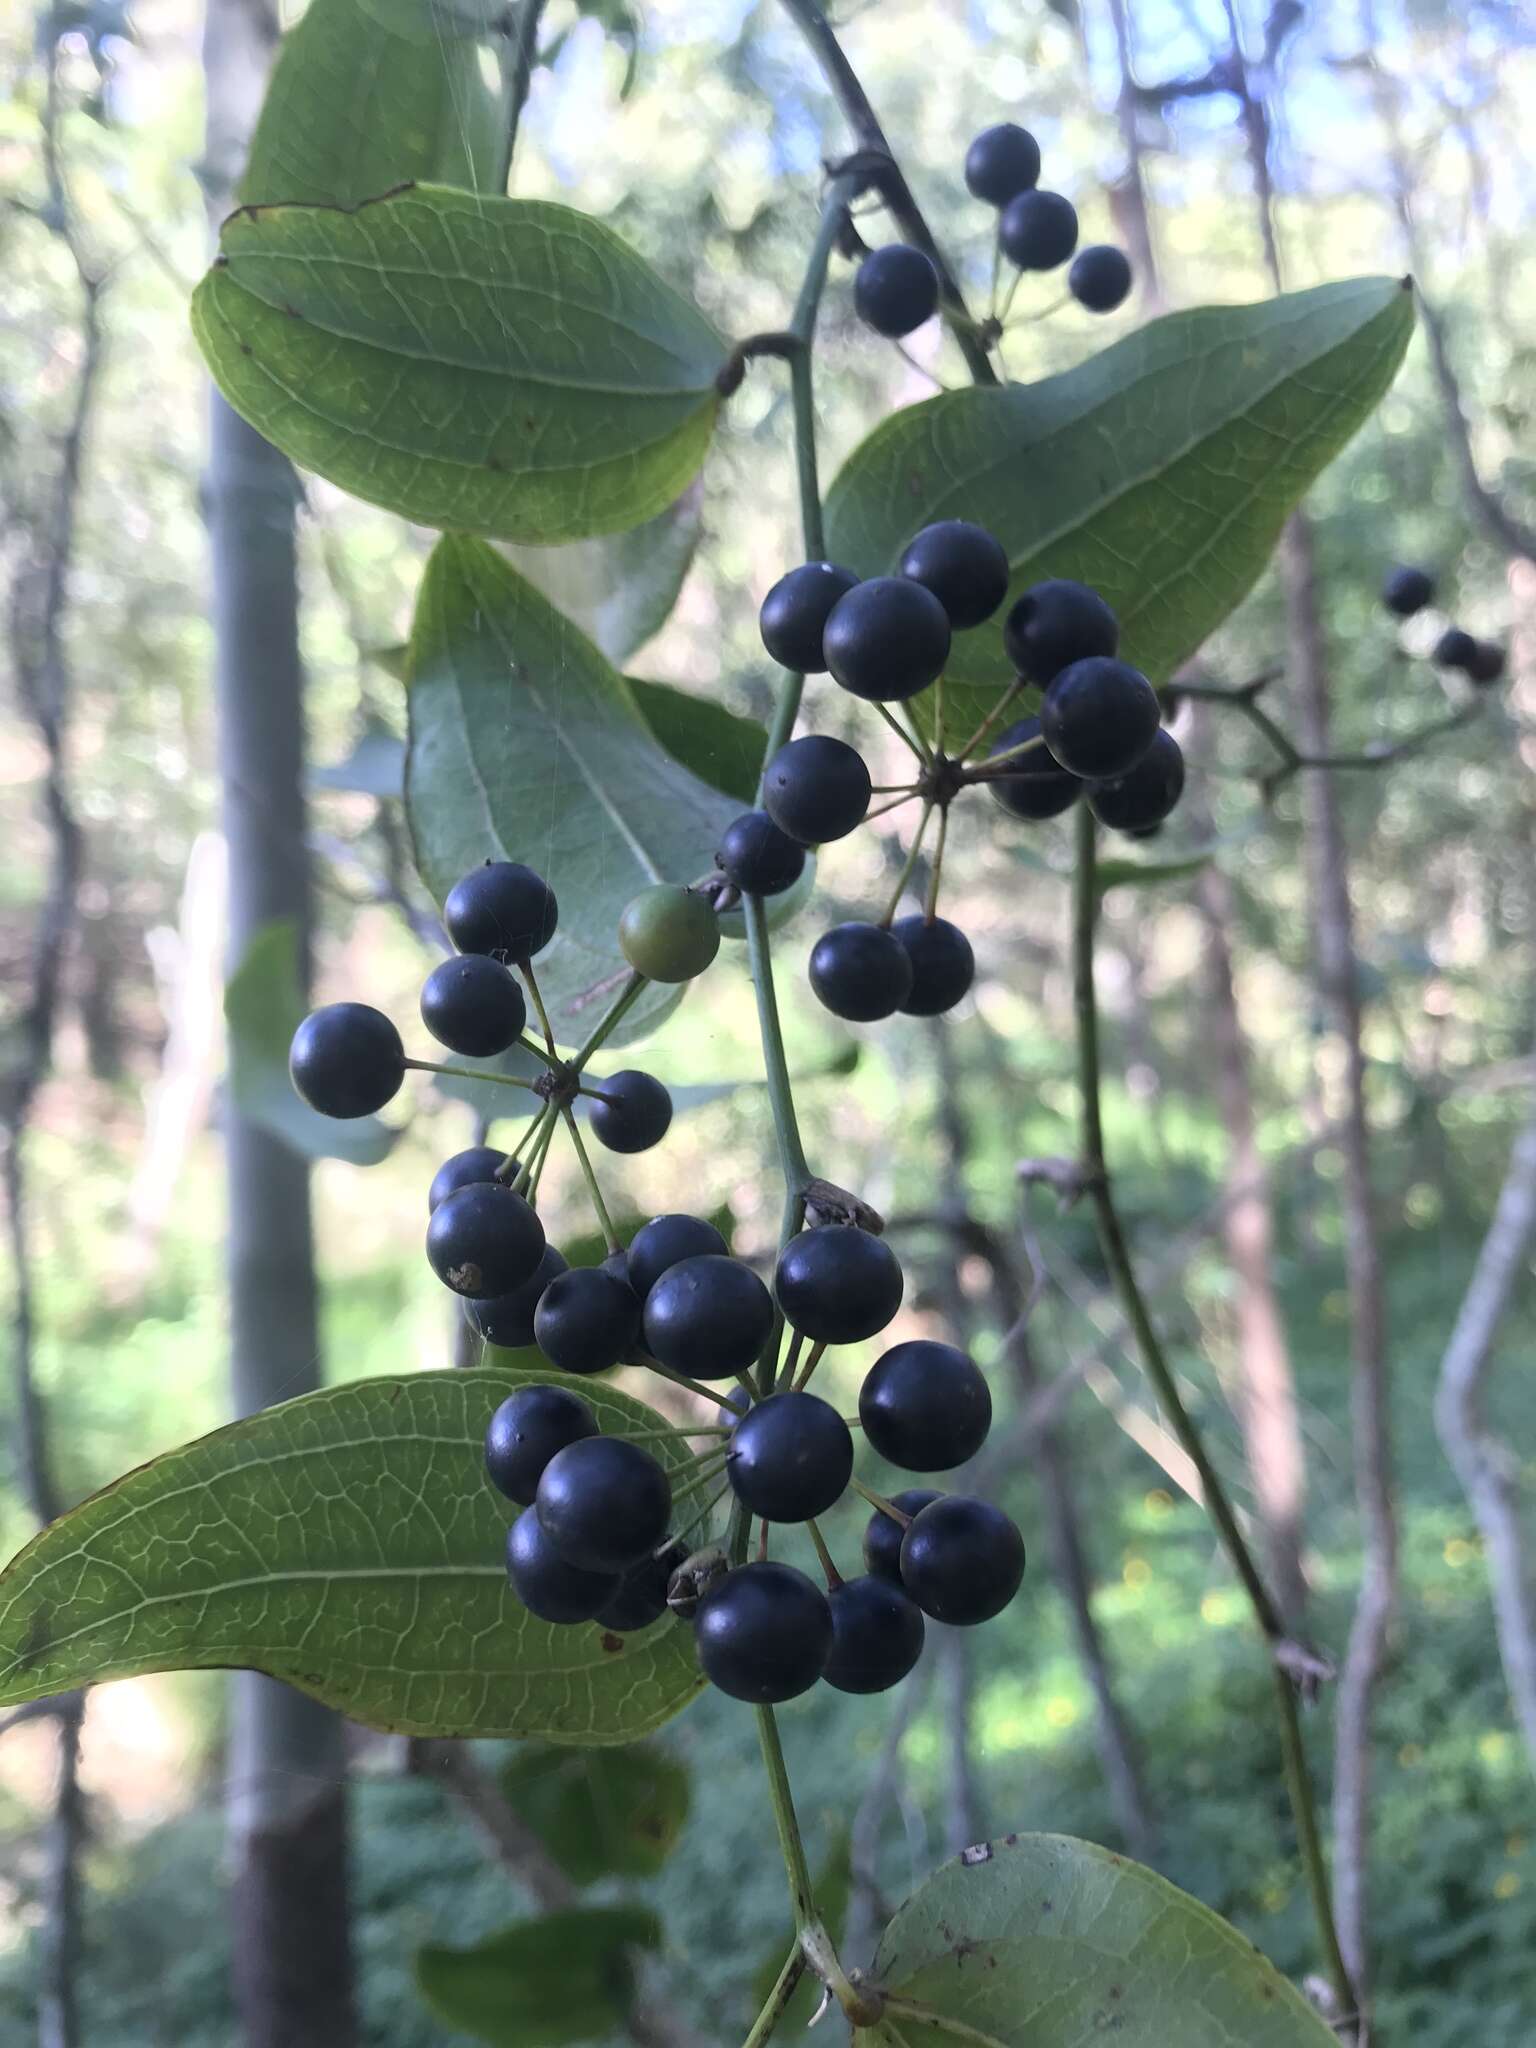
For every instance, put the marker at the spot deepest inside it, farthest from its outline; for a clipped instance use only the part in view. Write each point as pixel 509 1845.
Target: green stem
pixel 600 1207
pixel 508 1169
pixel 801 1894
pixel 878 1500
pixel 468 1074
pixel 519 51
pixel 936 868
pixel 544 1058
pixel 907 866
pixel 777 2003
pixel 781 1098
pixel 537 1156
pixel 1117 1258
pixel 627 997
pixel 703 1515
pixel 991 719
pixel 834 1576
pixel 803 1379
pixel 681 1379
pixel 538 1005
pixel 914 742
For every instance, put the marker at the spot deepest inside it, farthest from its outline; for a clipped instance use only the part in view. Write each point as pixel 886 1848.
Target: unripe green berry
pixel 668 933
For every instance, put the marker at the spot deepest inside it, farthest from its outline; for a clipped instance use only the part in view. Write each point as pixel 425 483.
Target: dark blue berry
pixel 473 1006
pixel 943 964
pixel 663 1243
pixel 838 1284
pixel 630 1111
pixel 1407 590
pixel 859 971
pixel 757 857
pixel 503 909
pixel 1035 787
pixel 962 1560
pixel 883 1533
pixel 895 289
pixel 925 1406
pixel 587 1320
pixel 478 1162
pixel 1038 230
pixel 764 1633
pixel 546 1583
pixel 1146 794
pixel 507 1319
pixel 877 1635
pixel 484 1240
pixel 346 1060
pixel 1455 649
pixel 1100 278
pixel 603 1503
pixel 642 1595
pixel 795 613
pixel 1054 624
pixel 1099 717
pixel 1002 162
pixel 526 1431
pixel 964 566
pixel 1487 663
pixel 887 639
pixel 791 1457
pixel 708 1317
pixel 816 789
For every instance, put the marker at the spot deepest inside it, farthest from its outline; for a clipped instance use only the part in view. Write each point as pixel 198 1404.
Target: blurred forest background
pixel 1398 138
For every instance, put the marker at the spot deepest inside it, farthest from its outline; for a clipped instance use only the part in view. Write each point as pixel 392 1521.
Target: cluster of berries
pixel 596 1543
pixel 1409 591
pixel 896 287
pixel 886 639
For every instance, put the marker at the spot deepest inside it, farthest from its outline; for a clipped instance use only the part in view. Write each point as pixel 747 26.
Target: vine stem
pixel 1117 1258
pixel 538 1004
pixel 518 54
pixel 600 1207
pixel 908 865
pixel 468 1074
pixel 777 2001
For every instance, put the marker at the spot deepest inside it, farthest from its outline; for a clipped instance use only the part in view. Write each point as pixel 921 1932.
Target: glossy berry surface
pixel 642 1595
pixel 943 964
pixel 963 565
pixel 346 1060
pixel 476 1162
pixel 507 1319
pixel 663 1243
pixel 759 858
pixel 795 613
pixel 586 1320
pixel 667 933
pixel 1487 663
pixel 546 1583
pixel 1002 162
pixel 887 639
pixel 895 289
pixel 791 1457
pixel 1147 794
pixel 859 971
pixel 603 1503
pixel 1407 590
pixel 630 1111
pixel 1455 649
pixel 962 1560
pixel 838 1284
pixel 1099 717
pixel 877 1635
pixel 1038 787
pixel 925 1406
pixel 1054 624
pixel 526 1431
pixel 1038 230
pixel 883 1533
pixel 816 789
pixel 708 1317
pixel 473 1006
pixel 503 909
pixel 484 1240
pixel 764 1633
pixel 1100 277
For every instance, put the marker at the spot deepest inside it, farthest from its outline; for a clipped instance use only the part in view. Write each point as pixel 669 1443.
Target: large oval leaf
pixel 1159 471
pixel 526 745
pixel 1039 1941
pixel 499 366
pixel 355 106
pixel 620 590
pixel 349 1543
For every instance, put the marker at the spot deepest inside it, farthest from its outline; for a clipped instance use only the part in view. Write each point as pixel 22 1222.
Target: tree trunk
pixel 287 1784
pixel 1332 919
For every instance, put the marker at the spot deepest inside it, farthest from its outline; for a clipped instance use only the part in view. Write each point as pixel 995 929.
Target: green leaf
pixel 375 767
pixel 721 747
pixel 600 1812
pixel 1159 471
pixel 361 100
pixel 498 366
pixel 526 745
pixel 1039 1941
pixel 619 590
pixel 562 1979
pixel 1116 874
pixel 348 1543
pixel 263 1007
